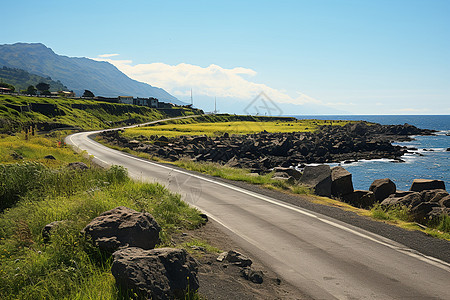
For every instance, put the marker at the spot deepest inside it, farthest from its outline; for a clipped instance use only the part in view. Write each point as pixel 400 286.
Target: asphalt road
pixel 321 256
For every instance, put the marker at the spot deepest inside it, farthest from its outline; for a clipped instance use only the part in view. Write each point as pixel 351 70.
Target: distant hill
pixel 21 79
pixel 78 74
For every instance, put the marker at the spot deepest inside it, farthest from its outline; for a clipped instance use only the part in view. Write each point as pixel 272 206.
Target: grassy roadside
pixel 36 191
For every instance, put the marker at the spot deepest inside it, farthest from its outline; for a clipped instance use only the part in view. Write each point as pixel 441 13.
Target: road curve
pixel 323 257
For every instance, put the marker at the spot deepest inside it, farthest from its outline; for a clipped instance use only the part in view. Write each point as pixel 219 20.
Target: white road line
pixel 428 259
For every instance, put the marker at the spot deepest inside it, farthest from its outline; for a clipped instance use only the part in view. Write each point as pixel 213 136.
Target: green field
pixel 230 127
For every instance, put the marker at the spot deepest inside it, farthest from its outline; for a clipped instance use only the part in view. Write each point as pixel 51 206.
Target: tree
pixel 88 94
pixel 8 86
pixel 31 90
pixel 42 86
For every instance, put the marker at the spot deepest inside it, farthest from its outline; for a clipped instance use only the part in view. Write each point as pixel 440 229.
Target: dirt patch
pixel 222 280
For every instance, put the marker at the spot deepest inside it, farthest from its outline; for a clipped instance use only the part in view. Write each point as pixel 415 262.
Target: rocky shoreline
pixel 264 151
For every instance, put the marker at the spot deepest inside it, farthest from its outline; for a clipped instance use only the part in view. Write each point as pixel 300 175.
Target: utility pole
pixel 192 99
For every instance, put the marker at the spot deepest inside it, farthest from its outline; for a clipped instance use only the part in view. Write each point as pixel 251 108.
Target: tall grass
pixel 69 267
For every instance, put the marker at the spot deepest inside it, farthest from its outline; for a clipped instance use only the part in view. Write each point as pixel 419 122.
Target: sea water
pixel 434 164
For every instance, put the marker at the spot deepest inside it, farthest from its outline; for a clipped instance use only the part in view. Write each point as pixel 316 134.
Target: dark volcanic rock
pixel 318 178
pixel 382 188
pixel 252 275
pixel 360 198
pixel 433 195
pixel 122 227
pixel 341 182
pixel 49 157
pixel 47 230
pixel 77 166
pixel 265 151
pixel 410 199
pixel 163 273
pixel 419 185
pixel 290 171
pixel 420 211
pixel 237 259
pixel 445 202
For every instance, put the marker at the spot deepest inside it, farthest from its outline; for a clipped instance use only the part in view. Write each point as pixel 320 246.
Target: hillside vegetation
pixel 21 79
pixel 20 112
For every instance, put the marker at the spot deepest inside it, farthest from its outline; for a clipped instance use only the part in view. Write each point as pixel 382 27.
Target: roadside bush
pixel 16 180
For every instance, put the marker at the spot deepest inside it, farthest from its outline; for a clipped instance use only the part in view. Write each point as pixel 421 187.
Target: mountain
pixel 77 73
pixel 21 79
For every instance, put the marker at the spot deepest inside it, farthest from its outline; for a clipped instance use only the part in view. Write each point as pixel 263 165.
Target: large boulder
pixel 420 211
pixel 123 227
pixel 407 199
pixel 433 195
pixel 382 188
pixel 317 178
pixel 360 198
pixel 341 182
pixel 163 273
pixel 445 202
pixel 290 171
pixel 419 185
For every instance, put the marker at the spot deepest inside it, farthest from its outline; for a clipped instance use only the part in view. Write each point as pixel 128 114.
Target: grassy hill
pixel 21 79
pixel 19 112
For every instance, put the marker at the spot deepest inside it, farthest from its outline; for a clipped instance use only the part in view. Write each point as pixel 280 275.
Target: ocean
pixel 434 164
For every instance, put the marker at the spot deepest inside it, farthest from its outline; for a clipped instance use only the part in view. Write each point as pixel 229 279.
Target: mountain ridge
pixel 78 73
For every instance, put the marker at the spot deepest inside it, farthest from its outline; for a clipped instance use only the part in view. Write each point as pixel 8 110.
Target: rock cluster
pixel 242 261
pixel 264 151
pixel 426 199
pixel 163 273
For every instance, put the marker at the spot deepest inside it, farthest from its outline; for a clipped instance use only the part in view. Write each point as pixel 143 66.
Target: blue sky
pixel 312 57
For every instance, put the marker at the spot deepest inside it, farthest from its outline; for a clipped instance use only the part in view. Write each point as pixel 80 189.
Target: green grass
pixel 69 266
pixel 221 126
pixel 35 148
pixel 35 191
pixel 395 213
pixel 194 243
pixel 401 216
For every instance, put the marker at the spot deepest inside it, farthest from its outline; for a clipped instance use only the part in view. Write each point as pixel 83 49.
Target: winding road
pixel 321 256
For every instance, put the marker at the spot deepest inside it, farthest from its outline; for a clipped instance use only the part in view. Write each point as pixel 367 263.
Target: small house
pixel 126 99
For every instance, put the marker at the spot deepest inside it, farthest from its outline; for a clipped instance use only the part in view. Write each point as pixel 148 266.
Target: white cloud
pixel 212 81
pixel 108 55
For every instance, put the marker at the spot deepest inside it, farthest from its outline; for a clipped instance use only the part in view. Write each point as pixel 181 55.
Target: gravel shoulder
pixel 221 280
